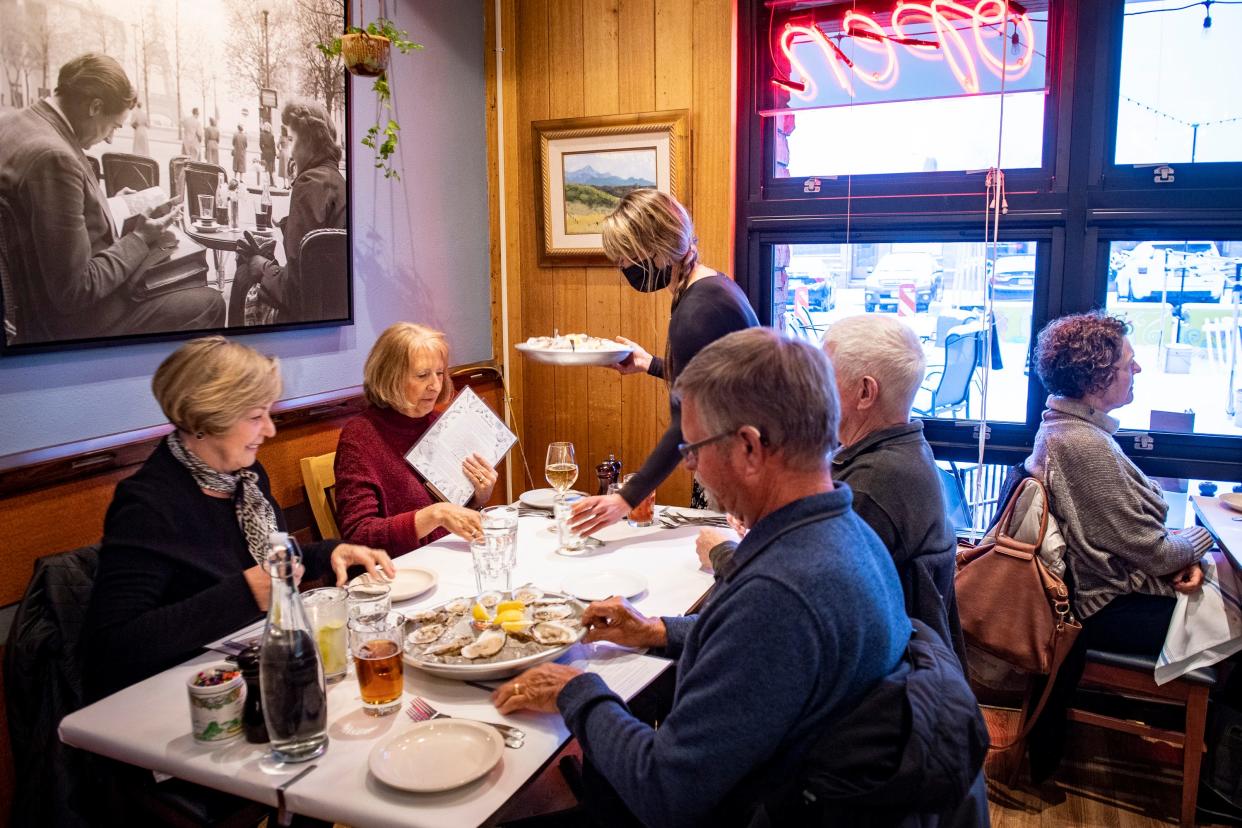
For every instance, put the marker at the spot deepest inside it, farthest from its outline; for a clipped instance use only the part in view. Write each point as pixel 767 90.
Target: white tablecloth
pixel 148 724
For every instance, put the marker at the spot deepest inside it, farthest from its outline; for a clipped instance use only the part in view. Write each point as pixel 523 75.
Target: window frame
pixel 942 184
pixel 1074 205
pixel 1206 178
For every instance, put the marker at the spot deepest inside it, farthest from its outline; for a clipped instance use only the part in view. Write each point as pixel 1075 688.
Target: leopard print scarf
pixel 254 511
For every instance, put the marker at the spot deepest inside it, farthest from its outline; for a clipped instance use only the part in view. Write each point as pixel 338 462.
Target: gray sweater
pixel 1111 515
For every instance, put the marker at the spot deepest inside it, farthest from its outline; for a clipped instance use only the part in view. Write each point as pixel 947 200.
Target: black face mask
pixel 645 277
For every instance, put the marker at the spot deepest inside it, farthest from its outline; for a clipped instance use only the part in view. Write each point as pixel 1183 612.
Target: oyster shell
pixel 552 612
pixel 487 644
pixel 458 606
pixel 428 617
pixel 490 599
pixel 553 632
pixel 518 630
pixel 449 646
pixel 427 634
pixel 527 594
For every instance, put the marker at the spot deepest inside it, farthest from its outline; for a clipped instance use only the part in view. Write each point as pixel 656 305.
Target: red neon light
pixel 876 42
pixel 1013 67
pixel 986 18
pixel 789 85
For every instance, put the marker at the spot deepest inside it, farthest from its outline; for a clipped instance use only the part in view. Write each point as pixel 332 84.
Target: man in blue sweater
pixel 810 618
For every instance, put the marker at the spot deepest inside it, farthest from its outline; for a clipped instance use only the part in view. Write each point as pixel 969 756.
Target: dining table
pixel 222 242
pixel 148 723
pixel 1223 523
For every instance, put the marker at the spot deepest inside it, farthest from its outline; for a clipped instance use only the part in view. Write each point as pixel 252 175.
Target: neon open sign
pixel 916 50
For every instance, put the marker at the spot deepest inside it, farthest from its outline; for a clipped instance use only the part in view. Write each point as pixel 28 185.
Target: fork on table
pixel 420 711
pixel 671 520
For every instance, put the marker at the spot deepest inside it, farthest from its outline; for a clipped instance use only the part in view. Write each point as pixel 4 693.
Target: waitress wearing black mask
pixel 651 238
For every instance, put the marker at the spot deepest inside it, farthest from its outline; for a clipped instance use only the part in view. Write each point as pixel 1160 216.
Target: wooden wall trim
pixel 83 459
pixel 51 506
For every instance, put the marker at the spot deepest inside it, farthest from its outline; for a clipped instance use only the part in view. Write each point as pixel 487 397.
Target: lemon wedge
pixel 518 626
pixel 508 606
pixel 480 613
pixel 508 615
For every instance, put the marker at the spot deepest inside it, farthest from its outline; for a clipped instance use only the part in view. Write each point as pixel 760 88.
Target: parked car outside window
pixel 1179 271
pixel 820 290
pixel 1014 278
pixel 895 269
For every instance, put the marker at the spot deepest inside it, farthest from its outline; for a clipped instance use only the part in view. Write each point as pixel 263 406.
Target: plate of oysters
pixel 496 635
pixel 574 349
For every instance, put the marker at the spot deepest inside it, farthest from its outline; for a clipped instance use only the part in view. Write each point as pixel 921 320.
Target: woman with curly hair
pixel 316 201
pixel 1124 564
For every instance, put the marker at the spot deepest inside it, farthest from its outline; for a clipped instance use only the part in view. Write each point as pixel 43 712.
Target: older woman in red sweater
pixel 381 501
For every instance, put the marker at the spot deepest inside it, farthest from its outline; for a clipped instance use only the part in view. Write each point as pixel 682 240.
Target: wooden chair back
pixel 319 478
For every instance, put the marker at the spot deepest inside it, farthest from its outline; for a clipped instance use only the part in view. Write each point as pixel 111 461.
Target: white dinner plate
pixel 542 498
pixel 437 755
pixel 605 583
pixel 562 357
pixel 206 228
pixel 409 583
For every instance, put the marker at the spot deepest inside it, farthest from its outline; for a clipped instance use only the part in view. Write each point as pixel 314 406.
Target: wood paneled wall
pixel 577 58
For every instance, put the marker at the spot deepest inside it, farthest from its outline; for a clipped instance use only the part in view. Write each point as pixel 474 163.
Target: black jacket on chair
pixel 909 755
pixel 43 683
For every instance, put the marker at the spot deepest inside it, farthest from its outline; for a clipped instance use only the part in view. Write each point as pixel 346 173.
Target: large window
pixel 864 187
pixel 940 290
pixel 1180 100
pixel 885 138
pixel 1179 298
pixel 881 88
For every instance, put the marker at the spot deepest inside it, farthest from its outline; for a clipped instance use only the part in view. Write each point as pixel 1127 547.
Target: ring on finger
pixel 517 689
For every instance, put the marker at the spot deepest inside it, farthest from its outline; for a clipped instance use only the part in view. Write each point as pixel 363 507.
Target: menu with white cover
pixel 466 427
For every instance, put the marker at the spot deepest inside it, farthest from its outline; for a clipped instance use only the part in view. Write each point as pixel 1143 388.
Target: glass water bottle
pixel 295 702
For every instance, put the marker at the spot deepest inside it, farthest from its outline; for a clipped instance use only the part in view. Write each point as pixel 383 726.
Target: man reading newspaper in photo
pixel 72 269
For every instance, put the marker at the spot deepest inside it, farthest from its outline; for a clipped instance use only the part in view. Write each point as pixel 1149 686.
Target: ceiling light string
pixel 995 205
pixel 849 175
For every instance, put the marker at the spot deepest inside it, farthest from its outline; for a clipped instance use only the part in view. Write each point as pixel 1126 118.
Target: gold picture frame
pixel 586 164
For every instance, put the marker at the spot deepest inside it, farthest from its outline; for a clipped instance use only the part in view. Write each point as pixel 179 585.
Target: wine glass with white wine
pixel 561 470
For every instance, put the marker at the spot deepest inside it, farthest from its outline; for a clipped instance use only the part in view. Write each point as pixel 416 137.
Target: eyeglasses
pixel 690 451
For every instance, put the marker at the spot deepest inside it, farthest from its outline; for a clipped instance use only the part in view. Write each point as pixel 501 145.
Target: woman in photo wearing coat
pixel 316 201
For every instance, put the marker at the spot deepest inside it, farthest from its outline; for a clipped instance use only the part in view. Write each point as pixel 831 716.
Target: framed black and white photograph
pixel 170 168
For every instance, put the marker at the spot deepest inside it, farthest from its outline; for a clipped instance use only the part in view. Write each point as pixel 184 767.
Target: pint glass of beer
pixel 375 641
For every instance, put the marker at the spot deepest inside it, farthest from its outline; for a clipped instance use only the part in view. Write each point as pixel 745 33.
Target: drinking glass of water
pixel 206 208
pixel 493 564
pixel 501 523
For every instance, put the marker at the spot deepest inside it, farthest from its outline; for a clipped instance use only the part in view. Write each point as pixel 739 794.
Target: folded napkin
pixel 1207 626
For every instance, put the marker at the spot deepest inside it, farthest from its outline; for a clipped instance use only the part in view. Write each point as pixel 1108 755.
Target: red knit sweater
pixel 377 492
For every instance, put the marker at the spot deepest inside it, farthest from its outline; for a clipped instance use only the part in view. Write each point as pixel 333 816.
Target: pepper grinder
pixel 253 723
pixel 609 473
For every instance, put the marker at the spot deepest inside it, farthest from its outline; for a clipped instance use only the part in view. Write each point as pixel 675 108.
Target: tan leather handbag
pixel 1011 605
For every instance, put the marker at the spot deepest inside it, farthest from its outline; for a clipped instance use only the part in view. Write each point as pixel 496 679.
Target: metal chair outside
pixel 121 170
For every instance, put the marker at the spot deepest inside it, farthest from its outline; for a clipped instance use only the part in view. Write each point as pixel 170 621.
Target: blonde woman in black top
pixel 651 238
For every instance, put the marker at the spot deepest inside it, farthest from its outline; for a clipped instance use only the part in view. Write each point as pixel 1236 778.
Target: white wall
pixel 420 251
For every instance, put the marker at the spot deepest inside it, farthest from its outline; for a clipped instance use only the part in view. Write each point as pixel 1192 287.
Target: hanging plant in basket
pixel 365 52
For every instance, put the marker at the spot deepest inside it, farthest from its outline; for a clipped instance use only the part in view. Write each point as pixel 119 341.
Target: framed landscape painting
pixel 586 165
pixel 169 169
